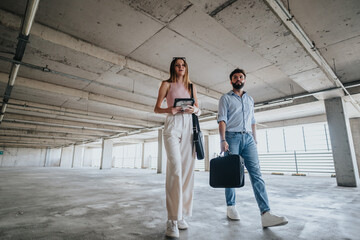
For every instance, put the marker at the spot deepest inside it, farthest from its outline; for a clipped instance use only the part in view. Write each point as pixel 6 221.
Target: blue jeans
pixel 244 145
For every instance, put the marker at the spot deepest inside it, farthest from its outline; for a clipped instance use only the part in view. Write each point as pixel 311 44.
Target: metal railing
pixel 199 165
pixel 298 162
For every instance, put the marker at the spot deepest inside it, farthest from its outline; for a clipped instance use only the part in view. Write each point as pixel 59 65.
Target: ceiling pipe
pixel 13 74
pixel 289 21
pixel 30 16
pixel 23 39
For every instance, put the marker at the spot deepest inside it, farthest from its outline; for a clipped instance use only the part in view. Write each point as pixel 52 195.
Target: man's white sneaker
pixel 172 229
pixel 232 213
pixel 182 224
pixel 269 219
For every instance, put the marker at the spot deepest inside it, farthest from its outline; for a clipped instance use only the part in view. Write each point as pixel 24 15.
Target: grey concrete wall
pixel 92 157
pixel 54 158
pixel 66 157
pixel 22 157
pixel 78 156
pixel 355 131
pixel 147 157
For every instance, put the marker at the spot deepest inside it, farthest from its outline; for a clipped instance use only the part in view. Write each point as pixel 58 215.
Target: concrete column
pixel 61 151
pixel 207 157
pixel 47 157
pixel 342 144
pixel 355 132
pixel 83 155
pixel 106 154
pixel 160 163
pixel 66 157
pixel 78 156
pixel 73 157
pixel 143 156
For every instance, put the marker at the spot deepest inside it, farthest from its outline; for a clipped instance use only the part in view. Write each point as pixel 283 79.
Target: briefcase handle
pixel 228 151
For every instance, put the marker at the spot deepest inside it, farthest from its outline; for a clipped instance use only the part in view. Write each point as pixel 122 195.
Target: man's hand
pixel 224 146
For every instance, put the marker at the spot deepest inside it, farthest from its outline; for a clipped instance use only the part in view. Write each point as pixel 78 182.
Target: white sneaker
pixel 232 213
pixel 182 224
pixel 172 229
pixel 269 219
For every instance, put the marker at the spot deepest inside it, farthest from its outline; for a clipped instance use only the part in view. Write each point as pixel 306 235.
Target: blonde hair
pixel 173 78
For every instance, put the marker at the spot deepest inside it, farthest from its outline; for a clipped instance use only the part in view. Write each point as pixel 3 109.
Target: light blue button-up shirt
pixel 237 112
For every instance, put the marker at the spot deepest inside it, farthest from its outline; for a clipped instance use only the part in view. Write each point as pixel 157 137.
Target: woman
pixel 178 145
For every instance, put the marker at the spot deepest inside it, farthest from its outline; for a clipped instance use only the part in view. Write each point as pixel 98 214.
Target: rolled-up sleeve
pixel 253 121
pixel 222 111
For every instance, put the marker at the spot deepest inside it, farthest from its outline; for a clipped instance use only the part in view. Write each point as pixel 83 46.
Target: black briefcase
pixel 227 172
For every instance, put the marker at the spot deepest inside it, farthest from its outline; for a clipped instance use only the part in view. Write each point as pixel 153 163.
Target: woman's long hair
pixel 173 74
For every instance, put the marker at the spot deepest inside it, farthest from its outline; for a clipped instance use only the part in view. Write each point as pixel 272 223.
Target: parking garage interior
pixel 82 152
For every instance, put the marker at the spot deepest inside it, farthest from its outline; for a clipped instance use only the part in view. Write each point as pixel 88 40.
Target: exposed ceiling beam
pixel 37 140
pixel 76 94
pixel 12 21
pixel 28 145
pixel 128 141
pixel 29 126
pixel 49 124
pixel 42 110
pixel 293 122
pixel 59 122
pixel 51 135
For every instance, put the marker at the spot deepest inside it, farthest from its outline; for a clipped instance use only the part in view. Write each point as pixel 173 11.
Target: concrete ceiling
pixel 104 61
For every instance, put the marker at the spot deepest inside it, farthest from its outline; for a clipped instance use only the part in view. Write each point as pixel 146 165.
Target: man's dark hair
pixel 237 70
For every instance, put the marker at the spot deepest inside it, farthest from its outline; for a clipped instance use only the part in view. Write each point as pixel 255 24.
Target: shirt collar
pixel 231 92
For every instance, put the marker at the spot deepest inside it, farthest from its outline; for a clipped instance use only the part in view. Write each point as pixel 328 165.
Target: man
pixel 238 134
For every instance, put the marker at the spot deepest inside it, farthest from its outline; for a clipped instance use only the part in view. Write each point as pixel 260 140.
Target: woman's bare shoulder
pixel 165 84
pixel 168 81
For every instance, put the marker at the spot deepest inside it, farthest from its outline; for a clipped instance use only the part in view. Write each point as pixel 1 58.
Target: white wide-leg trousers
pixel 180 165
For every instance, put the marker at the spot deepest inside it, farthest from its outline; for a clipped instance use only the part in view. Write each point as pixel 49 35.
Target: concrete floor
pixel 54 203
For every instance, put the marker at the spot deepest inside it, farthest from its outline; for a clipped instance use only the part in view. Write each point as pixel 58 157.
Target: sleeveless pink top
pixel 177 90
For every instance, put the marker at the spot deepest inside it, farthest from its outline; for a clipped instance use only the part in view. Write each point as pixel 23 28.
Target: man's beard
pixel 238 86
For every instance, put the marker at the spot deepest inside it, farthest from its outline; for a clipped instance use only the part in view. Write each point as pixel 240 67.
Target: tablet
pixel 183 102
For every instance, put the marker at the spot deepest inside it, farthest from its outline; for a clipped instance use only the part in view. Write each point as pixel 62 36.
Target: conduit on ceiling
pixel 288 19
pixel 23 39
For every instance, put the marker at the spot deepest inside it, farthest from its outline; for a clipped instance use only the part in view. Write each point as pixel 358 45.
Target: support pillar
pixel 207 157
pixel 78 156
pixel 106 154
pixel 73 156
pixel 160 163
pixel 83 155
pixel 143 156
pixel 355 132
pixel 342 144
pixel 66 157
pixel 47 157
